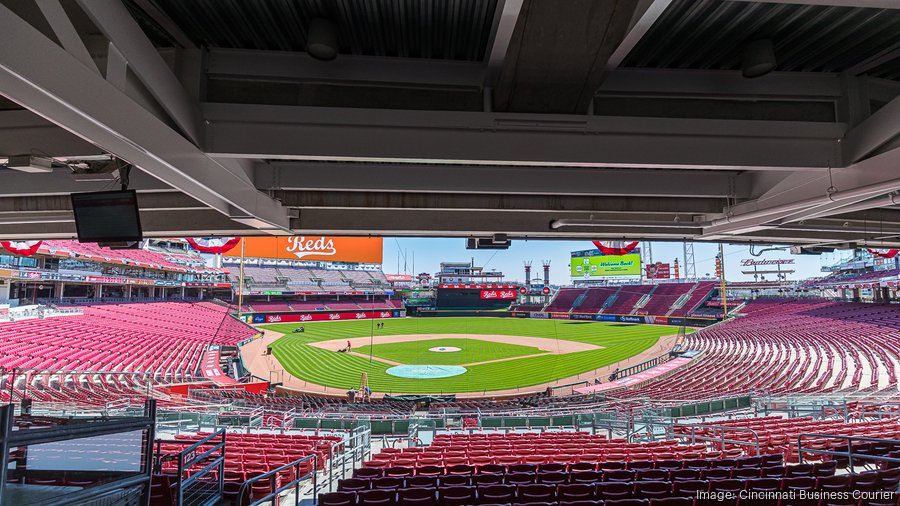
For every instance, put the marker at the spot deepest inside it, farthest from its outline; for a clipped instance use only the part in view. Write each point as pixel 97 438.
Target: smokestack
pixel 527 272
pixel 546 272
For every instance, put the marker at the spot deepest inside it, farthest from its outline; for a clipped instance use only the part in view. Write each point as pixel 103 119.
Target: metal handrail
pixel 722 440
pixel 195 456
pixel 272 477
pixel 849 453
pixel 351 444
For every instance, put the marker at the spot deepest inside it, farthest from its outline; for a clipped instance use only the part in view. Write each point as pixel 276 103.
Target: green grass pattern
pixel 471 351
pixel 339 370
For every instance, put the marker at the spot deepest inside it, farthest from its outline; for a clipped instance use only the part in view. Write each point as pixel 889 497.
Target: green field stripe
pixel 341 370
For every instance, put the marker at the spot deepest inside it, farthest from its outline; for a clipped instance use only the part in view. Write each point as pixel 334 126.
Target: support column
pixel 99 291
pixel 61 291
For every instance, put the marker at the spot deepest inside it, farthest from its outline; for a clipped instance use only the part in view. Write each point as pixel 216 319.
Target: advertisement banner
pixel 498 294
pixel 631 319
pixel 259 318
pixel 606 318
pixel 315 317
pixel 676 321
pixel 657 320
pixel 300 247
pixel 593 263
pixel 658 270
pixel 104 279
pixel 559 316
pixel 520 314
pixel 405 278
pixel 581 316
pixel 539 315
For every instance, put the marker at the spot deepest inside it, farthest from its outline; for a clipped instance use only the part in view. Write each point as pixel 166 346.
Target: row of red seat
pixel 790 347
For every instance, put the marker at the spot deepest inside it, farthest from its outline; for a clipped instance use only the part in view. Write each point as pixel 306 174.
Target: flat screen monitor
pixel 108 217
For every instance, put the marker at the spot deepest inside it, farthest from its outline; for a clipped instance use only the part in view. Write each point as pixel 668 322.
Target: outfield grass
pixel 339 370
pixel 471 351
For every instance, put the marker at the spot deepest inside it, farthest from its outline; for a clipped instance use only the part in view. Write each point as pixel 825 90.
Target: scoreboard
pixel 480 296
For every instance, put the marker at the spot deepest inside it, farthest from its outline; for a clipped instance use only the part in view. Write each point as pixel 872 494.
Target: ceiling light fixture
pixel 759 58
pixel 322 39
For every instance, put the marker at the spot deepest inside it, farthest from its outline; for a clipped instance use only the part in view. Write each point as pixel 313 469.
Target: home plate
pixel 445 349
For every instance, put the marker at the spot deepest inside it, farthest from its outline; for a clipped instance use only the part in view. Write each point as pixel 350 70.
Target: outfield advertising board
pixel 539 315
pixel 581 316
pixel 593 263
pixel 315 317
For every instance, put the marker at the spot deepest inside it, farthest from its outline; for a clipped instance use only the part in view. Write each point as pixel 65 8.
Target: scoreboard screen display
pixel 593 263
pixel 475 296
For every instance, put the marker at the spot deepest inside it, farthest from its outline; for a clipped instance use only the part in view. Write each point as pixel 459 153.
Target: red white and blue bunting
pixel 616 247
pixel 891 253
pixel 23 248
pixel 214 245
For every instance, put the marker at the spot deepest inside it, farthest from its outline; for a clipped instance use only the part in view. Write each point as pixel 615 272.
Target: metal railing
pixel 719 435
pixel 357 448
pixel 274 489
pixel 257 417
pixel 193 455
pixel 850 454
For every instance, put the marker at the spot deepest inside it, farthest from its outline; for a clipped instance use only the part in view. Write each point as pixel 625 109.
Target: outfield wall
pixel 316 316
pixel 677 321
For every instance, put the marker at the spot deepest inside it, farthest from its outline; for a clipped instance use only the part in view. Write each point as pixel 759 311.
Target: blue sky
pixel 430 252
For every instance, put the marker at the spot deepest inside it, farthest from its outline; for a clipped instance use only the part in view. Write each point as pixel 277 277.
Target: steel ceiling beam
pixel 821 196
pixel 658 208
pixel 648 11
pixel 868 4
pixel 41 76
pixel 64 30
pixel 62 182
pixel 480 179
pixel 251 65
pixel 373 135
pixel 721 84
pixel 116 23
pixel 506 15
pixel 875 131
pixel 154 224
pixel 459 223
pixel 166 23
pixel 23 132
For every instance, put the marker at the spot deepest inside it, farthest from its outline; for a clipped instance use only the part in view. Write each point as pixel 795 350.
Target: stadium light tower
pixel 690 267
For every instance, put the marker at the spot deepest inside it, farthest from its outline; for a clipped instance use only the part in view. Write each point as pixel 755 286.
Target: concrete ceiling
pixel 533 118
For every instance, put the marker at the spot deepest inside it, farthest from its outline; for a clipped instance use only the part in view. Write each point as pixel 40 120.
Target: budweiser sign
pixel 749 262
pixel 301 246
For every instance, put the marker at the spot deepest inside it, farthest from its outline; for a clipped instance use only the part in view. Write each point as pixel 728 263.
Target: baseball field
pixel 495 354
